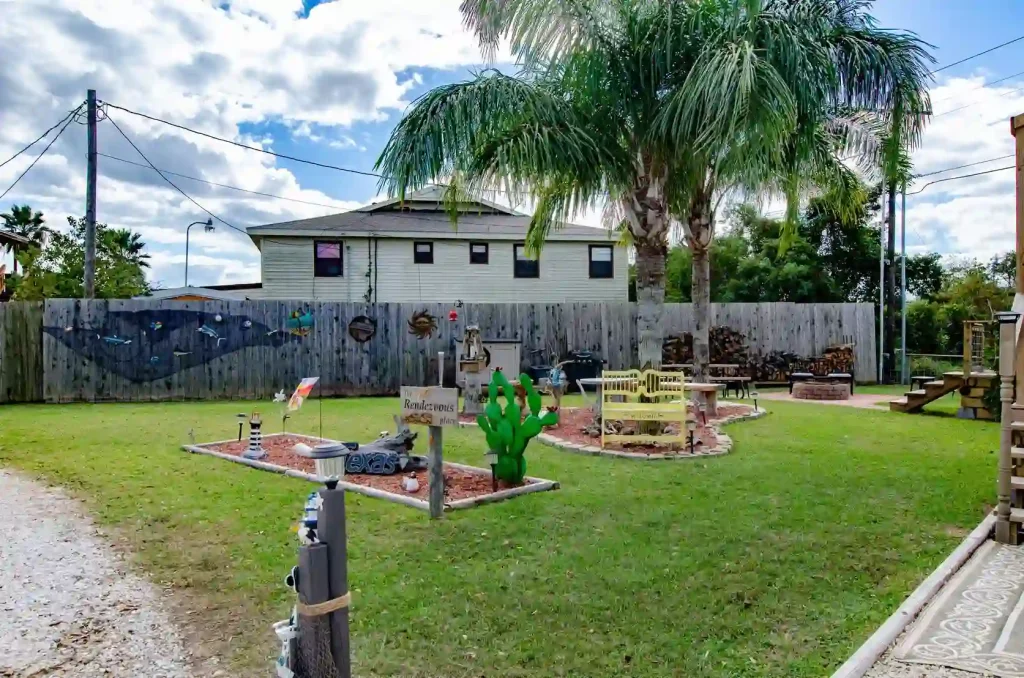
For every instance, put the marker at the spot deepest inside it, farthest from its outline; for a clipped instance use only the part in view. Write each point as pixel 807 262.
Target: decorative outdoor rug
pixel 977 622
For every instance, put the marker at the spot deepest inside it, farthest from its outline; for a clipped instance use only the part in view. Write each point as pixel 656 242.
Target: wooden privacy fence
pixel 139 350
pixel 21 352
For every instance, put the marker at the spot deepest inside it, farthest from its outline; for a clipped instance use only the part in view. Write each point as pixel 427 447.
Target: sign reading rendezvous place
pixel 430 405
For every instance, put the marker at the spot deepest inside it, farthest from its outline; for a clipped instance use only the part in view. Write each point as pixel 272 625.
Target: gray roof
pixel 421 215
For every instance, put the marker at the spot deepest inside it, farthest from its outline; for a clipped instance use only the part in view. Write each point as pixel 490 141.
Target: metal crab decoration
pixel 422 325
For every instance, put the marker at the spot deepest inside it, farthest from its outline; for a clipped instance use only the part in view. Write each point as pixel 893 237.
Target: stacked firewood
pixel 727 347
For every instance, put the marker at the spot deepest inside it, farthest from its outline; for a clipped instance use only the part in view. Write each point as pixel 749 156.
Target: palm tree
pixel 125 246
pixel 21 220
pixel 660 108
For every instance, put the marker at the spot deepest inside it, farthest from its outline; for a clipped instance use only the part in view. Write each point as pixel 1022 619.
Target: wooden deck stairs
pixel 913 401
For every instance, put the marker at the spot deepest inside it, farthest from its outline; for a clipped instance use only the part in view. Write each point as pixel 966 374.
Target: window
pixel 327 261
pixel 601 261
pixel 525 267
pixel 423 253
pixel 478 253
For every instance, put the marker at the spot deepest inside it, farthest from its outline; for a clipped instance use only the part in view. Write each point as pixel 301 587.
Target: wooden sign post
pixel 436 407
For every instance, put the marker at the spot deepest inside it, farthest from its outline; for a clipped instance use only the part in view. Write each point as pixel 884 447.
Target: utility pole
pixel 904 375
pixel 90 199
pixel 881 297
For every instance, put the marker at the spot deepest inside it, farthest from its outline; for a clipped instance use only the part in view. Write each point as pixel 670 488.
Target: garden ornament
pixel 506 431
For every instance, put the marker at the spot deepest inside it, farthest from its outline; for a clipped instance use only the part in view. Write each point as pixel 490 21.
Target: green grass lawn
pixel 776 560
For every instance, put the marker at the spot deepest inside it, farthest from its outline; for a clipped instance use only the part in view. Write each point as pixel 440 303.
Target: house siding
pixel 287 270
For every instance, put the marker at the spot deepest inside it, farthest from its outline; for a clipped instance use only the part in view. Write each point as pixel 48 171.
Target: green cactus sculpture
pixel 507 433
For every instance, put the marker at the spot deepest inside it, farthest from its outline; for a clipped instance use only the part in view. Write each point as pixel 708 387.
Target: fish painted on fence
pixel 212 333
pixel 300 324
pixel 128 344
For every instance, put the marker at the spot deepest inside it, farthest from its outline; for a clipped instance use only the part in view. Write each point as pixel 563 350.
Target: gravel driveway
pixel 68 605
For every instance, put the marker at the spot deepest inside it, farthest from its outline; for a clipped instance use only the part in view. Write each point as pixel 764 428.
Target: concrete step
pixel 1017 515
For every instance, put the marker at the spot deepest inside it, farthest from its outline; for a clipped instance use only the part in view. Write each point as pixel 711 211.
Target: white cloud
pixel 972 217
pixel 211 68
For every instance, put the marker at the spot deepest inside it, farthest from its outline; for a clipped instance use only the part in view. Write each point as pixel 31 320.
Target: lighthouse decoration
pixel 255 449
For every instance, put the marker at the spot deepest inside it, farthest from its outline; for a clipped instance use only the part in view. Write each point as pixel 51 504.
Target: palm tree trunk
pixel 700 295
pixel 650 297
pixel 890 288
pixel 701 231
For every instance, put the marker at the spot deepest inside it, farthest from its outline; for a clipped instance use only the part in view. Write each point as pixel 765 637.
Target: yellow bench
pixel 632 395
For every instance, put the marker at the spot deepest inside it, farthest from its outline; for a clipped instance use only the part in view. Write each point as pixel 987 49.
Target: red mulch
pixel 572 422
pixel 459 483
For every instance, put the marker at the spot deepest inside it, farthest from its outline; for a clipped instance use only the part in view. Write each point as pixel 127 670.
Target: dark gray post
pixel 314 632
pixel 331 531
pixel 435 473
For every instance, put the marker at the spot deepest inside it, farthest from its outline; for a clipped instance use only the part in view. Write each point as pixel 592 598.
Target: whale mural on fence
pixel 154 344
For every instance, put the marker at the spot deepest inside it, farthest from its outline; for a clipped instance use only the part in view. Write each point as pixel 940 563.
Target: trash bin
pixel 583 365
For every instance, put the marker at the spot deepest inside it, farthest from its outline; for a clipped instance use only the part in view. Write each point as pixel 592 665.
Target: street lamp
pixel 208 227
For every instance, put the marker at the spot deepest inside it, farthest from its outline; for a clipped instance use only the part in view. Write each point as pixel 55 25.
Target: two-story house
pixel 409 251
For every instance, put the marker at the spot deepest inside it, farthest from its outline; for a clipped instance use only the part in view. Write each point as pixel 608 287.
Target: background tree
pixel 21 220
pixel 1003 268
pixel 58 269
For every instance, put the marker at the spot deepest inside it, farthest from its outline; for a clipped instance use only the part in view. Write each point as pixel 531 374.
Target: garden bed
pixel 465 486
pixel 576 432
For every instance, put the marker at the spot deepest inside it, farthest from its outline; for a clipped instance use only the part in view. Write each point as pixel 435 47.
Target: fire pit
pixel 818 390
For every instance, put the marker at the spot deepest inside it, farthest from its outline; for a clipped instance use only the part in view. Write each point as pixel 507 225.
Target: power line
pixel 284 156
pixel 245 146
pixel 233 188
pixel 190 198
pixel 976 103
pixel 974 56
pixel 67 121
pixel 970 164
pixel 44 134
pixel 987 84
pixel 963 176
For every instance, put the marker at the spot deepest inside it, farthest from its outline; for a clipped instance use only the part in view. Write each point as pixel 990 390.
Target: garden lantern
pixel 691 427
pixel 754 395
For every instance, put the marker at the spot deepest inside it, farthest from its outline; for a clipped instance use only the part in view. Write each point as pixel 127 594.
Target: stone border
pixel 723 446
pixel 536 484
pixel 861 661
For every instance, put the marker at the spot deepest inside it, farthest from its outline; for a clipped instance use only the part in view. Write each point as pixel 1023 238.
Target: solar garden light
pixel 754 395
pixel 691 427
pixel 284 422
pixel 703 413
pixel 241 422
pixel 492 460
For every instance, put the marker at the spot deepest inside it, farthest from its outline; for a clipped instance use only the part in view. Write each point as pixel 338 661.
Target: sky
pixel 328 81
